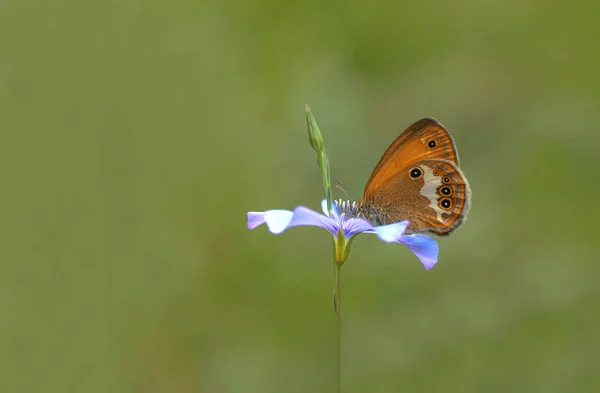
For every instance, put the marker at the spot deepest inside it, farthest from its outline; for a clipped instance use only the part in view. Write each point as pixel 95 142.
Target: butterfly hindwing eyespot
pixel 445 203
pixel 415 173
pixel 445 191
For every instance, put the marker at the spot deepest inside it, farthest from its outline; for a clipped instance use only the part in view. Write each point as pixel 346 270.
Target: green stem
pixel 337 306
pixel 316 141
pixel 324 165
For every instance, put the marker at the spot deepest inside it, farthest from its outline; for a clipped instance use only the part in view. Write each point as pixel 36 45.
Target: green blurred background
pixel 135 136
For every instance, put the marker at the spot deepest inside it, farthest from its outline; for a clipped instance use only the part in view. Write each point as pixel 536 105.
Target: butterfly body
pixel 418 179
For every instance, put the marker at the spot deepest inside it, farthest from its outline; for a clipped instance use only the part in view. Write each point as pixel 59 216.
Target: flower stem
pixel 337 306
pixel 316 141
pixel 323 162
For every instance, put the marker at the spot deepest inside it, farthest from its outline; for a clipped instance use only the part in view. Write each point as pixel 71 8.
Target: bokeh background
pixel 135 136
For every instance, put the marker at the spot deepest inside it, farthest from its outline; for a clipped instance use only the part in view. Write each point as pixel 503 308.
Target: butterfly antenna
pixel 338 185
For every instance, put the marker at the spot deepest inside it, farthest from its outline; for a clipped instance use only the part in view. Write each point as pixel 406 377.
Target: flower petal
pixel 279 220
pixel 324 206
pixel 392 232
pixel 255 219
pixel 424 247
pixel 306 216
pixel 334 208
pixel 354 226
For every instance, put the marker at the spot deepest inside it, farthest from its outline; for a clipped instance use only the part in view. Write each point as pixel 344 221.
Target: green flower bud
pixel 314 134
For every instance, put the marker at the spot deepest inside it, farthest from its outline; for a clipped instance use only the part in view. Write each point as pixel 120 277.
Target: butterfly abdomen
pixel 372 214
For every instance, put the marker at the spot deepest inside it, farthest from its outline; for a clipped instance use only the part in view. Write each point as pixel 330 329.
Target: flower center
pixel 347 208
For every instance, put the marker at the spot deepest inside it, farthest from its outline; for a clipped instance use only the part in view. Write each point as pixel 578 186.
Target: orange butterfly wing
pixel 436 200
pixel 425 139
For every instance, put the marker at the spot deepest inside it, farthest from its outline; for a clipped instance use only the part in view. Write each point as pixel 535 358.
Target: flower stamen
pixel 346 208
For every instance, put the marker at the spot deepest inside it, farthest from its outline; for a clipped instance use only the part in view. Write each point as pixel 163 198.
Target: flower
pixel 344 226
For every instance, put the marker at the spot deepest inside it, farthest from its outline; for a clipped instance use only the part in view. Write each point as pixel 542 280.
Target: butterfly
pixel 418 179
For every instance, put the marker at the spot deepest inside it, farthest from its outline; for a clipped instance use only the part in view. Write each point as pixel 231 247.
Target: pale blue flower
pixel 343 226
